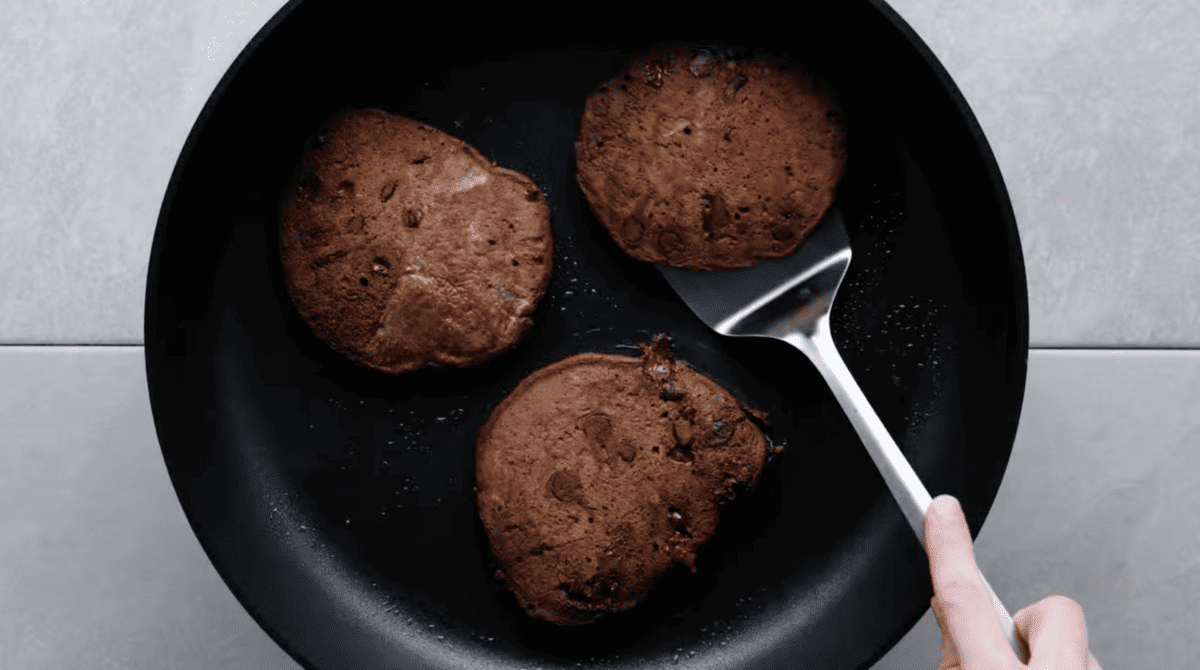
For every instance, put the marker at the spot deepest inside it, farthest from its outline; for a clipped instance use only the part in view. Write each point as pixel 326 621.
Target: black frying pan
pixel 336 501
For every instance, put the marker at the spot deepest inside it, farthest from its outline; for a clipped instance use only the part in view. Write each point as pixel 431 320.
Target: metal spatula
pixel 789 299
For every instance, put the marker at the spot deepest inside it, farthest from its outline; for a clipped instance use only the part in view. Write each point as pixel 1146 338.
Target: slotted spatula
pixel 789 299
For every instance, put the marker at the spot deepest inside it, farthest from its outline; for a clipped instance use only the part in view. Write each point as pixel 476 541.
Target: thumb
pixel 966 608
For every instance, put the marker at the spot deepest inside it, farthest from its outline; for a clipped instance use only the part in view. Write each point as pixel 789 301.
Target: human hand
pixel 972 638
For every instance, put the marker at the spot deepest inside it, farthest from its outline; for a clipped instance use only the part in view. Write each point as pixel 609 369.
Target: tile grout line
pixel 67 345
pixel 1121 349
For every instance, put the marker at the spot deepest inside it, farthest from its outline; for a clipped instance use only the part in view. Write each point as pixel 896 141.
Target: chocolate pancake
pixel 404 247
pixel 698 161
pixel 599 473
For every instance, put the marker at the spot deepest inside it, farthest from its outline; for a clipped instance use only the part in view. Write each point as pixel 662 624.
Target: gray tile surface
pixel 100 568
pixel 99 97
pixel 1099 503
pixel 1093 112
pixel 98 565
pixel 1090 105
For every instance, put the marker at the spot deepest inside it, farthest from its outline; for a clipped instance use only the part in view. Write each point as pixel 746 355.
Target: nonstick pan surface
pixel 336 502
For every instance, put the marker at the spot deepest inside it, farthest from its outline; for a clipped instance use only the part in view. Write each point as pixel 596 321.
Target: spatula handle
pixel 901 479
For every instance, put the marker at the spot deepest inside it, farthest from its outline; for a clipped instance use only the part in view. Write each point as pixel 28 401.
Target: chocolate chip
pixel 386 192
pixel 626 451
pixel 598 427
pixel 313 235
pixel 633 230
pixel 653 74
pixel 703 63
pixel 565 486
pixel 683 431
pixel 715 213
pixel 678 522
pixel 669 241
pixel 737 84
pixel 681 455
pixel 672 391
pixel 720 433
pixel 308 180
pixel 326 260
pixel 783 233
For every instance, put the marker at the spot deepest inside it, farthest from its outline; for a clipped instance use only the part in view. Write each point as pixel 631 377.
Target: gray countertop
pixel 1092 109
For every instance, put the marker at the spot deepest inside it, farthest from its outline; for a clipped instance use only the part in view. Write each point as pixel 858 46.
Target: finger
pixel 1056 632
pixel 950 658
pixel 967 610
pixel 1092 664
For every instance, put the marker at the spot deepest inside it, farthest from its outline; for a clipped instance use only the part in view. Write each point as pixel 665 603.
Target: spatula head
pixel 772 298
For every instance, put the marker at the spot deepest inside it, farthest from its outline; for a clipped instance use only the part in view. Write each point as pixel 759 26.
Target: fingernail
pixel 947 505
